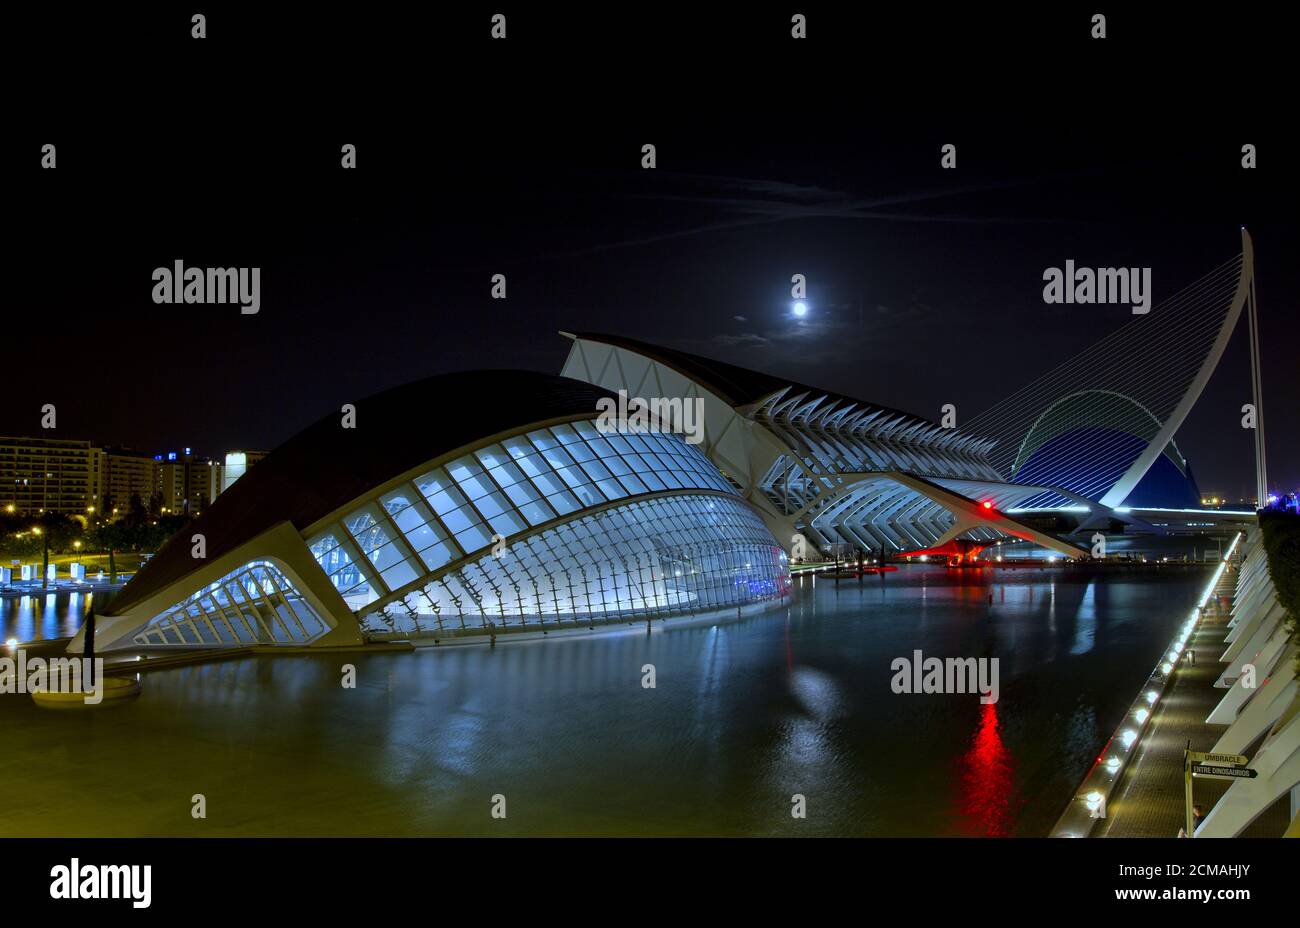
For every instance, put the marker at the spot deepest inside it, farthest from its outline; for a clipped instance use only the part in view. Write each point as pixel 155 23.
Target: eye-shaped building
pixel 468 503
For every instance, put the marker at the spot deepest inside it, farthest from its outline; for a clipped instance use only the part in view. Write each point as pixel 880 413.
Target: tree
pixel 112 537
pixel 1282 545
pixel 136 514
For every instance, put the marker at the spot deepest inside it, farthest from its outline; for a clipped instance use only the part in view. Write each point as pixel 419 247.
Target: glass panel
pixel 472 538
pixel 409 520
pixel 493 504
pixel 619 443
pixel 612 489
pixel 574 477
pixel 533 508
pixel 557 458
pixel 386 556
pixel 439 554
pixel 595 470
pixel 443 495
pixel 358 522
pixel 334 560
pixel 632 485
pixel 471 479
pixel 399 575
pixel 549 483
pixel 396 502
pixel 368 533
pixel 459 520
pixel 542 439
pixel 492 456
pixel 325 549
pixel 563 502
pixel 506 475
pixel 531 463
pixel 565 434
pixel 580 451
pixel 432 482
pixel 508 523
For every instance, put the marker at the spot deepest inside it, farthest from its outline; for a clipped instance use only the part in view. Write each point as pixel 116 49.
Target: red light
pixel 987 504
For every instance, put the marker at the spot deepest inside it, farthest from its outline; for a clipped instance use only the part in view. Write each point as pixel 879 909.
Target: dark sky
pixel 924 285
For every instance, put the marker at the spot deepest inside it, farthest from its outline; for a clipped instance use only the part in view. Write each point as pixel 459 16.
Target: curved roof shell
pixel 326 466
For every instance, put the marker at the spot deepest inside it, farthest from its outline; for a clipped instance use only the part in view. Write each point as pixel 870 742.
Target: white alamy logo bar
pixel 920 674
pixel 1086 285
pixel 679 415
pixel 103 881
pixel 22 675
pixel 181 284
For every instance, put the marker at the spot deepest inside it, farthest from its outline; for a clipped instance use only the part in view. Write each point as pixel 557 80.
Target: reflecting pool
pixel 46 615
pixel 743 715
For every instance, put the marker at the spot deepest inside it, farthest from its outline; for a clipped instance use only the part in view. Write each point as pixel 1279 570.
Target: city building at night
pixel 80 477
pixel 515 513
pixel 126 475
pixel 188 483
pixel 54 475
pixel 237 464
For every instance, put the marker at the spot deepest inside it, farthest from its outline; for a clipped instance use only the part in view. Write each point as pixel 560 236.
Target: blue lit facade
pixel 563 525
pixel 514 516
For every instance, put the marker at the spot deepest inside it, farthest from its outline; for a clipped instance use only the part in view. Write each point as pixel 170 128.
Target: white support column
pixel 1257 384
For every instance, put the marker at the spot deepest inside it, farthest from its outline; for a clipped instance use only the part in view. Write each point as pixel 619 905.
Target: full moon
pixel 801 309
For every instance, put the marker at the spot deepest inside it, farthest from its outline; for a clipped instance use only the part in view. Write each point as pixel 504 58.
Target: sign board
pixel 1201 757
pixel 1224 773
pixel 1214 766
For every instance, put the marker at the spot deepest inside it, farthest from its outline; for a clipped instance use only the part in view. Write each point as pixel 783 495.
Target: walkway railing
pixel 1088 806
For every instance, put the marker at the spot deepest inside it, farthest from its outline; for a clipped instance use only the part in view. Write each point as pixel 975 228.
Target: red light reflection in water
pixel 986 780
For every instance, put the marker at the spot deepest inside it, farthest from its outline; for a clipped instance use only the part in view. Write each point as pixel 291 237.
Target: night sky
pixel 474 158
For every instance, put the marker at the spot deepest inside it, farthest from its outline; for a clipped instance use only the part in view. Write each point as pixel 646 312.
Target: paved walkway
pixel 1148 801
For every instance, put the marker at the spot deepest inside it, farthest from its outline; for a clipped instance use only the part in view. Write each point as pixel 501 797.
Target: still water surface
pixel 744 715
pixel 47 615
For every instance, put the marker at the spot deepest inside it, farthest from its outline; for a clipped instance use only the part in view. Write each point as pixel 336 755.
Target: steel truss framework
pixel 832 469
pixel 254 605
pixel 650 558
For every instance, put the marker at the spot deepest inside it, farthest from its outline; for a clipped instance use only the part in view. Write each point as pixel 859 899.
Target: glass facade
pixel 650 558
pixel 495 493
pixel 255 604
pixel 558 526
